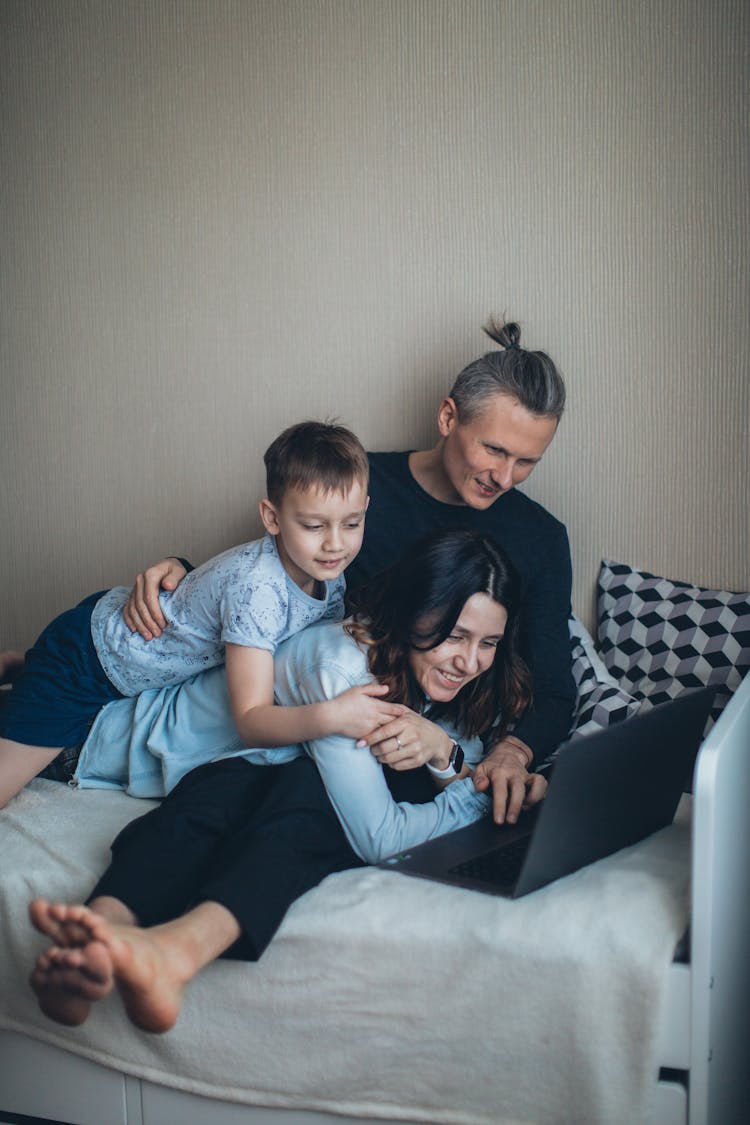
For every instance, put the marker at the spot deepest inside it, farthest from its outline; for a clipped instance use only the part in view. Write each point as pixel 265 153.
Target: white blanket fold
pixel 385 996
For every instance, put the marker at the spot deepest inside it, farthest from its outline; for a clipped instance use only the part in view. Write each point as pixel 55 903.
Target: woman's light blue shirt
pixel 148 743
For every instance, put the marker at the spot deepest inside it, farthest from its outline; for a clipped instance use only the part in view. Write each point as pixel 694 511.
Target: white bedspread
pixel 382 995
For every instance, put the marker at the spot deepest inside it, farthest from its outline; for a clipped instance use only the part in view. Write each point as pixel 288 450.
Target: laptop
pixel 607 790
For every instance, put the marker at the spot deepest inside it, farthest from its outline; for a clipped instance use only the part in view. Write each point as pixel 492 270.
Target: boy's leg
pixel 19 764
pixel 54 698
pixel 11 662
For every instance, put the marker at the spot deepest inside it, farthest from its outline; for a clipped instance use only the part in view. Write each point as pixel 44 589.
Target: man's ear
pixel 270 516
pixel 447 416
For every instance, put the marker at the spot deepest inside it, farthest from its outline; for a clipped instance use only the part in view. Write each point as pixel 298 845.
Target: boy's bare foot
pixel 68 981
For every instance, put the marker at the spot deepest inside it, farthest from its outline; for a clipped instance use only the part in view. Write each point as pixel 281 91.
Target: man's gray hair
pixel 529 377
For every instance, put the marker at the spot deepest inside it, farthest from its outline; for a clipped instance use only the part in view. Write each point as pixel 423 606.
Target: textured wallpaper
pixel 221 217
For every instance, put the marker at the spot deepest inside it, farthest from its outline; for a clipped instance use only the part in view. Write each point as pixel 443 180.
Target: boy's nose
pixel 333 539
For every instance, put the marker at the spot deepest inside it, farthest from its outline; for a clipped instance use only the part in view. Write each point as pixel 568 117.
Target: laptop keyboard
pixel 500 867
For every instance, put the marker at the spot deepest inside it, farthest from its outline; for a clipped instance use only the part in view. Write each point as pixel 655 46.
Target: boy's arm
pixel 260 722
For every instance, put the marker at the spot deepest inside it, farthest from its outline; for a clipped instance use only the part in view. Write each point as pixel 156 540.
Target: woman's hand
pixel 358 713
pixel 513 787
pixel 143 612
pixel 410 741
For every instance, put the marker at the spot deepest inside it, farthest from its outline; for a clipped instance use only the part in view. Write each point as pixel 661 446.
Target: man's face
pixel 498 449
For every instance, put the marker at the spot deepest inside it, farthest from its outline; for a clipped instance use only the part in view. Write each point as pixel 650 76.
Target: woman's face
pixel 465 654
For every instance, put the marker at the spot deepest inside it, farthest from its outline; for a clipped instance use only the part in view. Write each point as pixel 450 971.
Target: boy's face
pixel 318 533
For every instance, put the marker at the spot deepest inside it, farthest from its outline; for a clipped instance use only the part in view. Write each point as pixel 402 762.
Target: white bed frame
pixel 705 1034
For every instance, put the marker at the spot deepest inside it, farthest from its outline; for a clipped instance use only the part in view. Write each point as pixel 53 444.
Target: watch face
pixel 457 758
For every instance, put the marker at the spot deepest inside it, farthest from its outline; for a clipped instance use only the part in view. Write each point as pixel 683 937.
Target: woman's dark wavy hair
pixel 416 604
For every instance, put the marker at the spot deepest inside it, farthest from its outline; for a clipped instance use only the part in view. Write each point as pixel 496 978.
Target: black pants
pixel 252 838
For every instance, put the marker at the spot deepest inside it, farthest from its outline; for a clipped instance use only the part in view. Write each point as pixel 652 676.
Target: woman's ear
pixel 270 516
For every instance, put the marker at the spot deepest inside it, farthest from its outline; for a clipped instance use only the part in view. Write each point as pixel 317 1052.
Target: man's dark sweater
pixel 401 512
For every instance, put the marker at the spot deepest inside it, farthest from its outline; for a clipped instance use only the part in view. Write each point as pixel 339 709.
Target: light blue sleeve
pixel 376 826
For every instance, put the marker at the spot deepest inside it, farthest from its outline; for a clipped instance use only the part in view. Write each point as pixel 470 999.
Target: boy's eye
pixel 353 525
pixel 312 526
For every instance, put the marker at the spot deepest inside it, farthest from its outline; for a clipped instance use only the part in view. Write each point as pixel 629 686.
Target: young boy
pixel 236 608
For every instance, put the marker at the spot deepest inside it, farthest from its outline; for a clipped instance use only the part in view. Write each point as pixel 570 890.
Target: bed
pixel 359 1011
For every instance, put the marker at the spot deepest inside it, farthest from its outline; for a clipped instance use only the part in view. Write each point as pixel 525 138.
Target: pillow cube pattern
pixel 659 637
pixel 600 700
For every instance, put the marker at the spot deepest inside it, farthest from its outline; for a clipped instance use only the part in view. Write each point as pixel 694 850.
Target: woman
pixel 439 628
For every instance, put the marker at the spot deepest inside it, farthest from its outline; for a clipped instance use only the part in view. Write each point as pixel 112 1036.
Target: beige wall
pixel 220 217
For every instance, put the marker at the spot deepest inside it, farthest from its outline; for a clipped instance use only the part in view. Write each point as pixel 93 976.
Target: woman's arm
pixel 375 825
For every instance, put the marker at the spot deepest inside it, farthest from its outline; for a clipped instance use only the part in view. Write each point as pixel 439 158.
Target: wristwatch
pixel 454 767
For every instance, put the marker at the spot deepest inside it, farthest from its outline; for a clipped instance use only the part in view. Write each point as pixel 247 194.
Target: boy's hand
pixel 359 711
pixel 143 612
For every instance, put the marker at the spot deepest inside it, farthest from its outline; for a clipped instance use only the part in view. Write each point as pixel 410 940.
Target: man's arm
pixel 143 612
pixel 544 643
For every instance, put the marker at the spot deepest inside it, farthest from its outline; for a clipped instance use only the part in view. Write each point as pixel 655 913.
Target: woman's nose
pixel 469 658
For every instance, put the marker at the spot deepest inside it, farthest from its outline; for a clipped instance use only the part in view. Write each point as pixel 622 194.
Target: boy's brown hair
pixel 320 455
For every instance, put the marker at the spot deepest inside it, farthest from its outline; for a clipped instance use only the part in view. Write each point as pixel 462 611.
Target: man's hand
pixel 513 787
pixel 143 612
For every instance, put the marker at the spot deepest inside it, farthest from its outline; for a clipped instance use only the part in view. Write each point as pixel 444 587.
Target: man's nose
pixel 502 475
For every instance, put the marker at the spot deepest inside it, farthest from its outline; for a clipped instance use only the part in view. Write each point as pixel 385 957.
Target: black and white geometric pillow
pixel 600 701
pixel 658 637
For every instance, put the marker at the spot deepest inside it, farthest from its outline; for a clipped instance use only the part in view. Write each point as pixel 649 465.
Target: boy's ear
pixel 269 516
